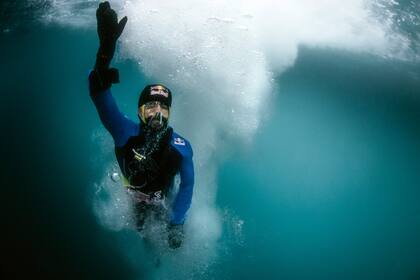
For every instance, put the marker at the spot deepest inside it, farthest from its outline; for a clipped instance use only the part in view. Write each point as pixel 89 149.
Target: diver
pixel 149 153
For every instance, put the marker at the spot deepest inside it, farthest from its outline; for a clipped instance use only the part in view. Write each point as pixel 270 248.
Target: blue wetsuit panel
pixel 183 199
pixel 119 126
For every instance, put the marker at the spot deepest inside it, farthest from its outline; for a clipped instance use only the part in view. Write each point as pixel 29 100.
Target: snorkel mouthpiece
pixel 157 121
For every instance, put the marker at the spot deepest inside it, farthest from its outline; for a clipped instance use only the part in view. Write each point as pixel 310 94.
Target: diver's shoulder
pixel 181 144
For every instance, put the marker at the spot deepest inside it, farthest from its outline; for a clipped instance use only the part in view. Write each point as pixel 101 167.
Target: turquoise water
pixel 330 191
pixel 326 188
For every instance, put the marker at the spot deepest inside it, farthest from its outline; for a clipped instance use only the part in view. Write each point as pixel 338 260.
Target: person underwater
pixel 149 153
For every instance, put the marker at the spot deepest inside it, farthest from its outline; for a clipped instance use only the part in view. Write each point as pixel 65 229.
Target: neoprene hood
pixel 155 92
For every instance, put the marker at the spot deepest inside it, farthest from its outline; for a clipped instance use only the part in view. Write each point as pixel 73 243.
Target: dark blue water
pixel 328 189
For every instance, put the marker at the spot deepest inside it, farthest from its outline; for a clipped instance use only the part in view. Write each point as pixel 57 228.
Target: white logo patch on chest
pixel 179 141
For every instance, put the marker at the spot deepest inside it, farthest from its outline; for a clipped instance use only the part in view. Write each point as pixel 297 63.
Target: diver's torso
pixel 150 170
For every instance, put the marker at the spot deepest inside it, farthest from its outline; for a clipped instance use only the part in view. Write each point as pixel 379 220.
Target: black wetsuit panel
pixel 153 173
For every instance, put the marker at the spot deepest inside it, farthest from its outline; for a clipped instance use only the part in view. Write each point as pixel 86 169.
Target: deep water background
pixel 329 188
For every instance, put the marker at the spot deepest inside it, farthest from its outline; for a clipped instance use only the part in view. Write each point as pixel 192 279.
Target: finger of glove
pixel 100 16
pixel 107 26
pixel 105 5
pixel 101 9
pixel 104 17
pixel 121 26
pixel 110 20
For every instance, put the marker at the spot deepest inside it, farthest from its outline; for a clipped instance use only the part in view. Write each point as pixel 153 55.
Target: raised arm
pixel 102 77
pixel 118 125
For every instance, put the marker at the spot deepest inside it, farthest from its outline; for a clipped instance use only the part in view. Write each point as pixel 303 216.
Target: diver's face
pixel 154 114
pixel 153 107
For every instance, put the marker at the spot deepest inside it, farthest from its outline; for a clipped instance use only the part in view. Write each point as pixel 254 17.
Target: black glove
pixel 175 236
pixel 109 30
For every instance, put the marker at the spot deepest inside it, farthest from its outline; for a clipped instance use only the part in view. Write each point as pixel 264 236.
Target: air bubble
pixel 115 177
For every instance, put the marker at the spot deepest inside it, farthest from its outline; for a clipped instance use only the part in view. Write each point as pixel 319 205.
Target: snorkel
pixel 157 122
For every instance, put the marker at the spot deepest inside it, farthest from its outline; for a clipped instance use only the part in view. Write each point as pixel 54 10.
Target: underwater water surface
pixel 304 121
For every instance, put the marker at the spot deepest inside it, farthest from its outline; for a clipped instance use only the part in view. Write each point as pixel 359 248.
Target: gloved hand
pixel 109 30
pixel 175 236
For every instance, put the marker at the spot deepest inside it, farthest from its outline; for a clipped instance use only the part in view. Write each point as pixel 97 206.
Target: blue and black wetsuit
pixel 172 156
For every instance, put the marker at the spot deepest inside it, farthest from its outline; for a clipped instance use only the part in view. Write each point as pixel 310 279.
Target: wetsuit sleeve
pixel 183 199
pixel 118 125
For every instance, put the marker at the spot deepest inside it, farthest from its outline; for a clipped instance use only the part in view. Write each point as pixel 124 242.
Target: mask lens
pixel 154 105
pixel 151 105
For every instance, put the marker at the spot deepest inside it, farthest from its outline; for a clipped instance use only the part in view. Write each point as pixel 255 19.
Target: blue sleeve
pixel 183 199
pixel 120 127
